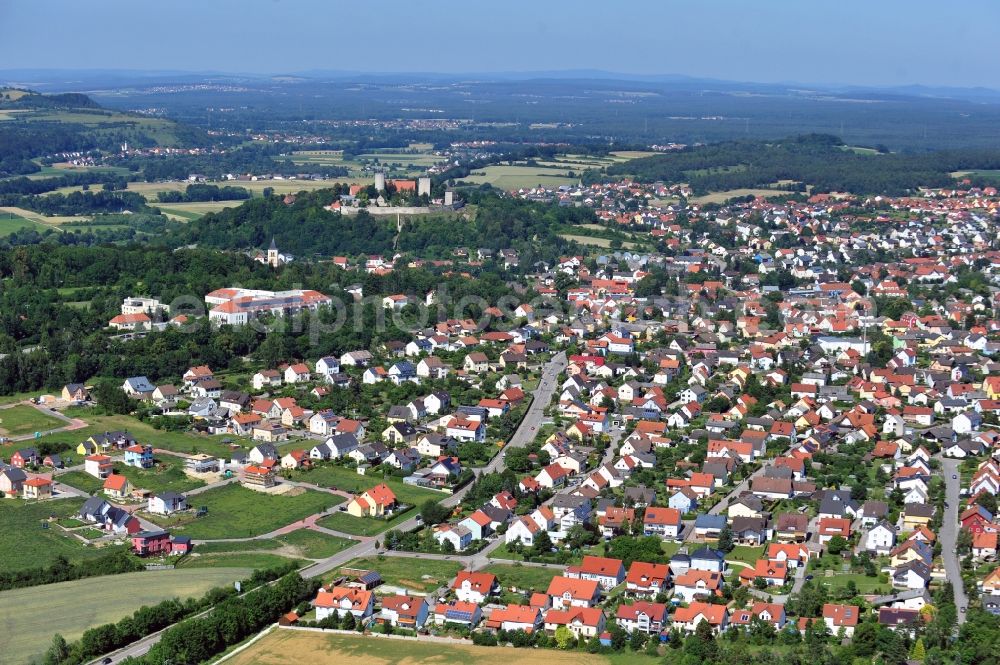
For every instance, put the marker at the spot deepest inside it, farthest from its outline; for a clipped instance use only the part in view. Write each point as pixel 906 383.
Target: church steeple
pixel 272 254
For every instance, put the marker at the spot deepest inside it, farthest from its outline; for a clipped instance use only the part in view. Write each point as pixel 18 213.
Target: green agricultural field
pixel 11 223
pixel 237 512
pixel 524 577
pixel 419 575
pixel 187 212
pixel 24 419
pixel 520 177
pixel 31 616
pixel 343 478
pixel 25 544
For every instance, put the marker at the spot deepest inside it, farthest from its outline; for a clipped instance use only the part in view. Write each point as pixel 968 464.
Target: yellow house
pixel 37 488
pixel 905 556
pixel 375 502
pixel 916 515
pixel 87 447
pixel 992 387
pixel 740 509
pixel 117 486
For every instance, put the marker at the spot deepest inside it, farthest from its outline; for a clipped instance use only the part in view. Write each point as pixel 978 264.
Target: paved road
pixel 366 547
pixel 525 434
pixel 949 534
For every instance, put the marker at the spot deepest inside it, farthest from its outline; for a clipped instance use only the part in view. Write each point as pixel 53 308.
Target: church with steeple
pixel 272 254
pixel 274 257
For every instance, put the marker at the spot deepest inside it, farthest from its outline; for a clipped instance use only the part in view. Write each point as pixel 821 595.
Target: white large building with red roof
pixel 237 306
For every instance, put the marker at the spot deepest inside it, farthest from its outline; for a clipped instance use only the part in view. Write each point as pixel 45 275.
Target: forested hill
pixel 821 161
pixel 14 98
pixel 304 228
pixel 37 127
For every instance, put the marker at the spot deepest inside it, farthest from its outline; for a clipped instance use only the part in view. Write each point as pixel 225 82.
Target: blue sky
pixel 869 42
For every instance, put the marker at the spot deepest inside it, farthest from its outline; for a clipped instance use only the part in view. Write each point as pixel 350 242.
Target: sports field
pixel 24 419
pixel 300 646
pixel 31 616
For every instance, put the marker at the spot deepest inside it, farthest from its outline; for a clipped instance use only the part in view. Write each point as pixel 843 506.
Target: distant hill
pixel 17 98
pixel 34 126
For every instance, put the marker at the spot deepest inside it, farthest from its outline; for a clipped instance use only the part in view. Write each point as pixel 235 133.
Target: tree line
pixel 202 192
pixel 114 562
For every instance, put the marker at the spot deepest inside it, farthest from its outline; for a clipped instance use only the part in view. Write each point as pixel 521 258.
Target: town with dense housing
pixel 335 367
pixel 792 434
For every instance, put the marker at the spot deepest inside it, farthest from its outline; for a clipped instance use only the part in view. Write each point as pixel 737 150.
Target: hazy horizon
pixel 852 43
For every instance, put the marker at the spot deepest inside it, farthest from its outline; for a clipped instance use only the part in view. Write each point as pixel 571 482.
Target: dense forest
pixel 818 160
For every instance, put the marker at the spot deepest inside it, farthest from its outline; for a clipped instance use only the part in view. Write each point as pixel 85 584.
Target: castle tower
pixel 380 181
pixel 272 254
pixel 424 186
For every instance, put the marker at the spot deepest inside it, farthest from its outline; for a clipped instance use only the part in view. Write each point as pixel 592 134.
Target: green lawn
pixel 746 554
pixel 22 419
pixel 81 481
pixel 31 616
pixel 297 545
pixel 315 545
pixel 421 575
pixel 237 512
pixel 168 474
pixel 334 475
pixel 864 583
pixel 362 526
pixel 523 577
pixel 25 544
pixel 240 546
pixel 252 560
